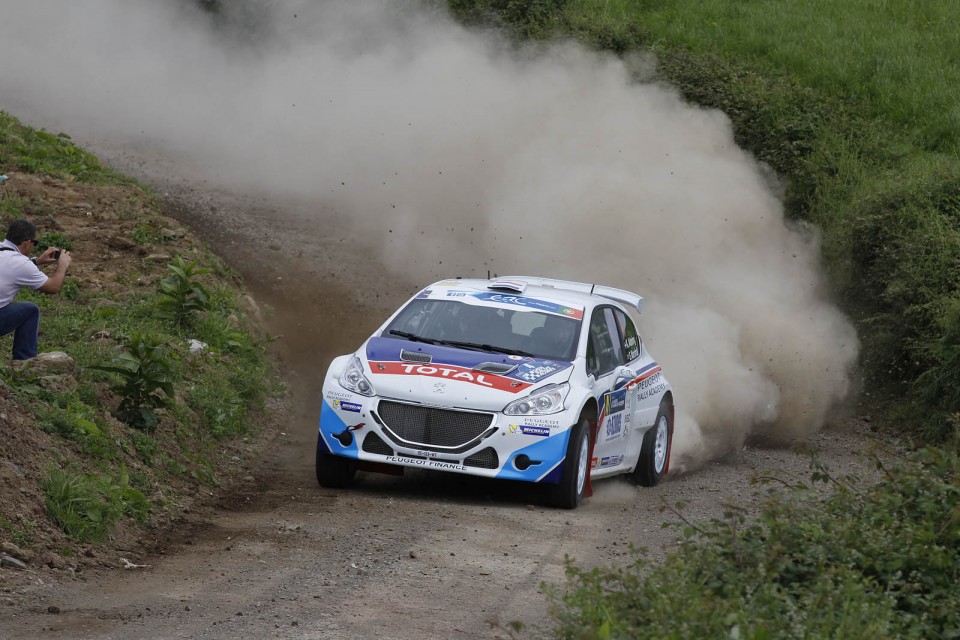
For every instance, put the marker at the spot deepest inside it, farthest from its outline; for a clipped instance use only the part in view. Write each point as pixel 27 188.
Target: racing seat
pixel 554 338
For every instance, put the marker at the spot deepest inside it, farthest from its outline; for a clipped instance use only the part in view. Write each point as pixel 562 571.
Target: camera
pixel 56 254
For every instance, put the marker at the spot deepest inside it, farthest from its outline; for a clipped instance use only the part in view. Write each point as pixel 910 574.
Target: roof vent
pixel 516 286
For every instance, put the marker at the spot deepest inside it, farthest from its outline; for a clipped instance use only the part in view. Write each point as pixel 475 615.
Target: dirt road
pixel 428 555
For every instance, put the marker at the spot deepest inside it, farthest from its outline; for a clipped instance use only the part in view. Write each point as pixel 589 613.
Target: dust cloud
pixel 462 154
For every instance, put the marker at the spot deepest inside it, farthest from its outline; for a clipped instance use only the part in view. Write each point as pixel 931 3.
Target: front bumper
pixel 486 444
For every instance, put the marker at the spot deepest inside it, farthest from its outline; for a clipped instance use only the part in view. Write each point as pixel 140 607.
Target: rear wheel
pixel 655 450
pixel 335 472
pixel 576 466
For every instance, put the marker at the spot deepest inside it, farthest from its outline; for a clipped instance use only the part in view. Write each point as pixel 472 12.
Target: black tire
pixel 655 450
pixel 335 472
pixel 576 468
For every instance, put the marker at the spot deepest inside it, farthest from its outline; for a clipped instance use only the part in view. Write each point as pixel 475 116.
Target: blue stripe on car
pixel 330 423
pixel 550 452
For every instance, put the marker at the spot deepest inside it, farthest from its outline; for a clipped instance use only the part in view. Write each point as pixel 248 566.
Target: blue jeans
pixel 23 318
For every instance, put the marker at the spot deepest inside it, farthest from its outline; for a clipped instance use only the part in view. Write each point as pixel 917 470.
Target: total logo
pixel 449 372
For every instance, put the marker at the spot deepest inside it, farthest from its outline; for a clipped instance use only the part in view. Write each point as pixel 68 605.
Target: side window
pixel 631 341
pixel 605 349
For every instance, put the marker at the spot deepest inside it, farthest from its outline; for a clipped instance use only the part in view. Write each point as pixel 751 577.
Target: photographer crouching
pixel 18 270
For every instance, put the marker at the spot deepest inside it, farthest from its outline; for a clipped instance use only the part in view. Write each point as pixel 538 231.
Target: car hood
pixel 447 376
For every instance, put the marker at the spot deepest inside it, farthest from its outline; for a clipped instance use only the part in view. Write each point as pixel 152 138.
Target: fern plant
pixel 145 373
pixel 180 295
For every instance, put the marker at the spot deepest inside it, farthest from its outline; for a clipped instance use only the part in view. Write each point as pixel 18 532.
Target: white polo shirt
pixel 16 272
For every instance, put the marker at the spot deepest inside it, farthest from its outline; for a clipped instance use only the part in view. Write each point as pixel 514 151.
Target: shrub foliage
pixel 877 560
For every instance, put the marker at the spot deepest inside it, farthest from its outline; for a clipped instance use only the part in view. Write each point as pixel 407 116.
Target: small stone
pixel 53 609
pixel 13 563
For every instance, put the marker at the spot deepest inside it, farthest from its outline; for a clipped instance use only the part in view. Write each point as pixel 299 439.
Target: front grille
pixel 485 459
pixel 372 443
pixel 430 426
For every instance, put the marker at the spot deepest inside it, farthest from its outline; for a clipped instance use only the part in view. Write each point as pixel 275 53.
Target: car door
pixel 605 356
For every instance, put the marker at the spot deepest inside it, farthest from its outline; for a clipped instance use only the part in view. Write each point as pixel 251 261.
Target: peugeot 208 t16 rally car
pixel 521 378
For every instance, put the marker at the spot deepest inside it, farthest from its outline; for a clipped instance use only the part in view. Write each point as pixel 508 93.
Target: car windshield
pixel 487 328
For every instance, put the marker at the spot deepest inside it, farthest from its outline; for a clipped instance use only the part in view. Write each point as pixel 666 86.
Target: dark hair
pixel 21 230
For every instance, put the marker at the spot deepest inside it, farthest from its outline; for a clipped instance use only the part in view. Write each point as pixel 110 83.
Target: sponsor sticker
pixel 430 463
pixel 614 426
pixel 535 431
pixel 616 401
pixel 353 407
pixel 449 372
pixel 529 430
pixel 543 422
pixel 531 372
pixel 611 461
pixel 532 303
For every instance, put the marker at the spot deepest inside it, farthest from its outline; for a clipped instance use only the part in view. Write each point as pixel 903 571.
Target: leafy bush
pixel 180 295
pixel 146 233
pixel 54 239
pixel 527 18
pixel 85 505
pixel 145 372
pixel 868 561
pixel 80 423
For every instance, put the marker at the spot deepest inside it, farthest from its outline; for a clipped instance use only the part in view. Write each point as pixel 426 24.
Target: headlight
pixel 544 401
pixel 353 379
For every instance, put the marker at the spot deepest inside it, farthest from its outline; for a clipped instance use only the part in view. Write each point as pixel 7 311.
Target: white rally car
pixel 519 378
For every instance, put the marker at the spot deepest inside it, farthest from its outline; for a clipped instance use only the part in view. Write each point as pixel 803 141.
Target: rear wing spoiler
pixel 518 283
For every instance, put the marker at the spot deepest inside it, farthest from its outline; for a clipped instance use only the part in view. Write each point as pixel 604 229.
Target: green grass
pixel 892 59
pixel 37 151
pixel 86 505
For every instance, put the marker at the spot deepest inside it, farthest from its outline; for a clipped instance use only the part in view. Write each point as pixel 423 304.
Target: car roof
pixel 579 293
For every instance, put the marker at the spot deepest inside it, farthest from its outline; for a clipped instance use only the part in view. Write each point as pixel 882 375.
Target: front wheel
pixel 335 472
pixel 655 450
pixel 568 493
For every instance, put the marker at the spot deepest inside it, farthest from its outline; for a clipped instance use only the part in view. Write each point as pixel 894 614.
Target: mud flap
pixel 666 467
pixel 588 487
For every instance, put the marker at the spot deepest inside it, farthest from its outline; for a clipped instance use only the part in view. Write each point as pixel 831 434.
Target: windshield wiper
pixel 412 336
pixel 486 347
